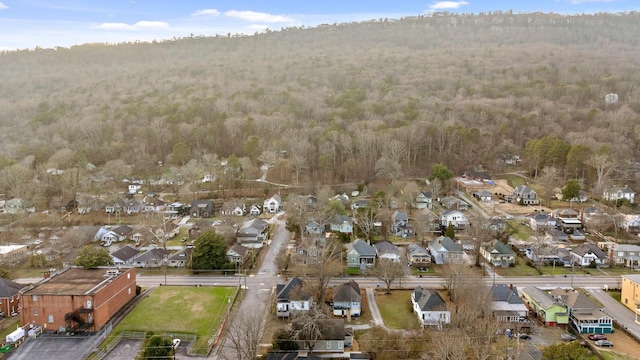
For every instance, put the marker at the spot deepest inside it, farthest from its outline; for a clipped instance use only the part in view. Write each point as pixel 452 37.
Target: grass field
pixel 184 309
pixel 396 310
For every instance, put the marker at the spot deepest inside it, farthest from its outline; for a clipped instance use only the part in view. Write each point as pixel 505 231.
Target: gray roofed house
pixel 418 256
pixel 446 251
pixel 252 233
pixel 627 255
pixel 424 200
pixel 347 299
pixel 453 203
pixel 181 258
pixel 9 297
pixel 544 307
pixel 584 313
pixel 125 255
pixel 585 254
pixel 152 258
pixel 360 254
pixel 387 250
pixel 237 253
pixel 400 225
pixel 506 305
pixel 525 195
pixel 332 336
pixel 290 296
pixel 201 208
pixel 482 195
pixel 430 307
pixel 342 224
pixel 618 193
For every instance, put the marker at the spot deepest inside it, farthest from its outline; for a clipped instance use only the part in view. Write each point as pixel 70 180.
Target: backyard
pixel 180 309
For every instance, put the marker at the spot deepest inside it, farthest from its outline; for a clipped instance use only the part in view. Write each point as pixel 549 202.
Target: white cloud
pixel 257 16
pixel 442 5
pixel 3 6
pixel 132 27
pixel 206 12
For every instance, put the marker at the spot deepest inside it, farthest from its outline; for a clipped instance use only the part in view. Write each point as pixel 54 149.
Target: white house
pixel 619 193
pixel 587 253
pixel 455 218
pixel 291 297
pixel 272 204
pixel 387 250
pixel 430 307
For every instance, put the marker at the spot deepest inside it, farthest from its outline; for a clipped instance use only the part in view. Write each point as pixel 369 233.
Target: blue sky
pixel 49 23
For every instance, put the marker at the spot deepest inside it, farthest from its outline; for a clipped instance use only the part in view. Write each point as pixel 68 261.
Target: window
pixel 34 297
pixel 128 276
pixel 35 312
pixel 129 291
pixel 50 318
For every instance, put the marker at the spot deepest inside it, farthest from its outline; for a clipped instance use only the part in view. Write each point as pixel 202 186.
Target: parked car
pixel 597 337
pixel 604 343
pixel 524 336
pixel 567 337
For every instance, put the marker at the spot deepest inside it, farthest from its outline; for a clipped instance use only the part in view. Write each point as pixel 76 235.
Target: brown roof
pixel 74 281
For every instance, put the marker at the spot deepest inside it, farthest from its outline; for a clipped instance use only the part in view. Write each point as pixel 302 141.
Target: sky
pixel 26 24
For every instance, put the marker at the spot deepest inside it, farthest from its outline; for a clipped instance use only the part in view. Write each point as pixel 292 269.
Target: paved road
pixel 619 312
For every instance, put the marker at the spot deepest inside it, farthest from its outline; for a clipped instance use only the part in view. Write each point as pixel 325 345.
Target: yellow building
pixel 630 296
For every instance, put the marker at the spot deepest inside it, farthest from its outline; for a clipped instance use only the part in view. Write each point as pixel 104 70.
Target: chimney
pixel 511 286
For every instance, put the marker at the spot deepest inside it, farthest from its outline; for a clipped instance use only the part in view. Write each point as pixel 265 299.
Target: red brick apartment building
pixel 77 299
pixel 9 298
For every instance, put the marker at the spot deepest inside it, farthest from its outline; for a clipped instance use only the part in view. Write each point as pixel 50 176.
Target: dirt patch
pixel 495 207
pixel 622 344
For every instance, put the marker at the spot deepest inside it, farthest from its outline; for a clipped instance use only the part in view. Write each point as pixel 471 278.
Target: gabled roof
pixel 347 292
pixel 256 223
pixel 585 248
pixel 125 253
pixel 444 243
pixel 504 293
pixel 123 230
pixel 153 254
pixel 622 189
pixel 626 247
pixel 330 329
pixel 498 247
pixel 238 249
pixel 291 287
pixel 341 219
pixel 429 300
pixel 451 212
pixel 362 248
pixel 483 193
pixel 275 197
pixel 416 250
pixel 400 216
pixel 425 194
pixel 523 189
pixel 539 296
pixel 181 255
pixel 386 247
pixel 574 299
pixel 9 288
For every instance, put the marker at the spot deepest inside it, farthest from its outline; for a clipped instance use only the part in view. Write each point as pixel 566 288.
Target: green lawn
pixel 396 309
pixel 7 326
pixel 521 232
pixel 181 309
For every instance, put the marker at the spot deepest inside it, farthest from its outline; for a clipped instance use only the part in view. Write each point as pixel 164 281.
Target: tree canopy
pixel 440 172
pixel 210 252
pixel 90 257
pixel 571 189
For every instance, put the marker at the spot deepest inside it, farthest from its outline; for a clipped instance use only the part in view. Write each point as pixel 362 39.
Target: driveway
pixel 617 311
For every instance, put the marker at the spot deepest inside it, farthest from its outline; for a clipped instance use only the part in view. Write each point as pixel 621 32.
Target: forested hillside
pixel 341 102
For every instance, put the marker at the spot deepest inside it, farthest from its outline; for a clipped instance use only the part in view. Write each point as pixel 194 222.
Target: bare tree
pixel 327 266
pixel 548 178
pixel 480 234
pixel 604 166
pixel 365 219
pixel 245 334
pixel 388 271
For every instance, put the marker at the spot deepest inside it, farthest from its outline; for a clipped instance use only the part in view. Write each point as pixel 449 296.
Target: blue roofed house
pixel 446 251
pixel 360 255
pixel 342 224
pixel 430 307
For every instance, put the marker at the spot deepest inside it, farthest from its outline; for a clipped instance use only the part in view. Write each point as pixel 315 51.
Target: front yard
pixel 396 310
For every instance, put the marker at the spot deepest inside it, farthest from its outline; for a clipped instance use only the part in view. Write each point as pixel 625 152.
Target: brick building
pixel 77 299
pixel 9 298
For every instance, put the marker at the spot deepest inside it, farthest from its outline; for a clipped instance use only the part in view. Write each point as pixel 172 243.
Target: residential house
pixel 361 203
pixel 477 174
pixel 542 221
pixel 342 224
pixel 134 188
pixel 235 208
pixel 483 195
pixel 18 206
pixel 174 210
pixel 306 252
pixel 457 219
pixel 108 235
pixel 430 307
pixel 525 195
pixel 252 233
pixel 132 206
pixel 400 224
pixel 60 203
pixel 585 315
pixel 291 297
pixel 627 255
pixel 446 251
pixel 272 205
pixel 619 193
pixel 545 308
pixel 387 250
pixel 507 307
pixel 495 224
pixel 453 203
pixel 125 255
pixel 153 258
pixel 418 256
pixel 632 224
pixel 86 204
pixel 78 300
pixel 9 298
pixel 498 253
pixel 255 210
pixel 314 229
pixel 360 255
pixel 180 259
pixel 332 336
pixel 201 208
pixel 630 294
pixel 428 221
pixel 565 213
pixel 237 254
pixel 153 205
pixel 587 253
pixel 424 200
pixel 347 299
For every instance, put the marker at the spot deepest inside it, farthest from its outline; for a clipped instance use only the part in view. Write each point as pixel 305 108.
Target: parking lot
pixel 53 347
